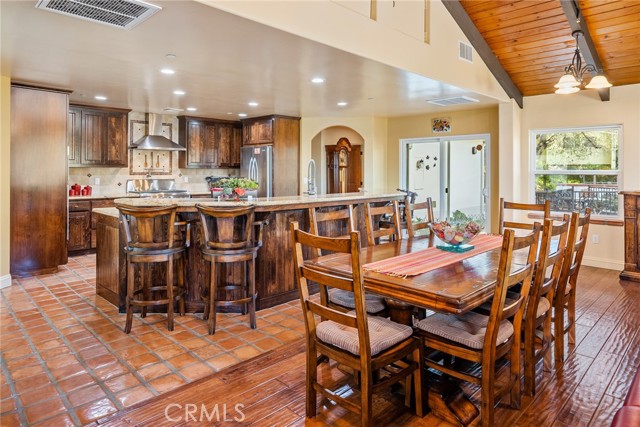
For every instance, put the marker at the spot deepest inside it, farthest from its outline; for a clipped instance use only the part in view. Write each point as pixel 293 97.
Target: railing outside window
pixel 602 199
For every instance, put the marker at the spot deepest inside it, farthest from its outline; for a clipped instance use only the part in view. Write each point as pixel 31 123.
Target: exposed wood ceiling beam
pixel 585 43
pixel 480 45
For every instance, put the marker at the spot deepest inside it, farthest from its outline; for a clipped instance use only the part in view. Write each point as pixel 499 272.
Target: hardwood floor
pixel 585 391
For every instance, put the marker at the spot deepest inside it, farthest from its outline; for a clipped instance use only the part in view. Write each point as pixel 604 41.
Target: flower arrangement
pixel 233 187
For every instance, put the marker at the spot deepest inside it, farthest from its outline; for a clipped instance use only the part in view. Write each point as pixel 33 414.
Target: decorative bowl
pixel 455 234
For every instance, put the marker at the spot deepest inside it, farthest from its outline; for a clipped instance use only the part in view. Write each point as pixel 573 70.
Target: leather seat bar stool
pixel 153 236
pixel 229 238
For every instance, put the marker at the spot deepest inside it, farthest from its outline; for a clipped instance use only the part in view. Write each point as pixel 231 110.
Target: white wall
pixel 5 177
pixel 584 109
pixel 331 23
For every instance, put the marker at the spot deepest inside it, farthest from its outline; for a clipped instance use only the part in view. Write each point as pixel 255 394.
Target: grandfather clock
pixel 344 167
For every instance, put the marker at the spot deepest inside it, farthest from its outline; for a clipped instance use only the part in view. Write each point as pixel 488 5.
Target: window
pixel 577 168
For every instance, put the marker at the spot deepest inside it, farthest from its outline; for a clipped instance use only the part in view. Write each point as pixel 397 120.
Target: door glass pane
pixel 466 180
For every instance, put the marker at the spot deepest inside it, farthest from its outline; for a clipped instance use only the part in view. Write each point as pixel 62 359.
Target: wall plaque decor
pixel 143 162
pixel 440 125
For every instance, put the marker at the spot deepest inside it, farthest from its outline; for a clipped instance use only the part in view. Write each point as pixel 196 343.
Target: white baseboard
pixel 609 264
pixel 5 281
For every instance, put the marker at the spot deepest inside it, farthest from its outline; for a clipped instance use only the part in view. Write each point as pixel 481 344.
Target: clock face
pixel 343 158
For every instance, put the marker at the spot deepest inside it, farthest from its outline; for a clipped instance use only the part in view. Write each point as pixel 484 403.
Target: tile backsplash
pixel 112 181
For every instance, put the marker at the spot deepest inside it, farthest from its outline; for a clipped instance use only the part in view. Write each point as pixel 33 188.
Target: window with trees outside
pixel 577 168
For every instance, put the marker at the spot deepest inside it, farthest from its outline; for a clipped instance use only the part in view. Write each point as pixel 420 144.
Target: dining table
pixel 453 283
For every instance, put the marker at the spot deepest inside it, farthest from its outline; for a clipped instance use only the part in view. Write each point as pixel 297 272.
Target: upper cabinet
pixel 209 142
pixel 258 130
pixel 97 136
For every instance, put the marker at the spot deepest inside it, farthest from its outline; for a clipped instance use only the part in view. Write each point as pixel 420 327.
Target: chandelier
pixel 572 79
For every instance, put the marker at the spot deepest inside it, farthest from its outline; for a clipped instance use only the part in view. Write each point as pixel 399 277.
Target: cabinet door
pixel 225 137
pixel 79 231
pixel 93 135
pixel 74 134
pixel 201 144
pixel 259 132
pixel 115 142
pixel 236 144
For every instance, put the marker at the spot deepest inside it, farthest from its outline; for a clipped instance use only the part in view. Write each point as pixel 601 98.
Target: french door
pixel 453 171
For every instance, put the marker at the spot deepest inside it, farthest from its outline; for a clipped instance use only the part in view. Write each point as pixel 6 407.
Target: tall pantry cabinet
pixel 38 219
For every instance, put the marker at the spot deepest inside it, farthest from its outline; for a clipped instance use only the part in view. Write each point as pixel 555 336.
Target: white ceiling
pixel 223 62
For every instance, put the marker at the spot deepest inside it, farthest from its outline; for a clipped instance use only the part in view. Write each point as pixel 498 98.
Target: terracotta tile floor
pixel 65 360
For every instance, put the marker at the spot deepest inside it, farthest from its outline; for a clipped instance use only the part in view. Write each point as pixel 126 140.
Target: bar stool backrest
pixel 227 228
pixel 148 228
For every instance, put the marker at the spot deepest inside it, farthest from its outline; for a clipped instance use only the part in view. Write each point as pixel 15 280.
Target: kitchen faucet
pixel 311 178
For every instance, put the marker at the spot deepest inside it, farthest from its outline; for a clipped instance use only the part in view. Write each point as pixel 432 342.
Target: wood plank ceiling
pixel 533 42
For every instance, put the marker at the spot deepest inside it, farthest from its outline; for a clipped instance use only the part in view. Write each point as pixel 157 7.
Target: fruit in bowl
pixel 455 234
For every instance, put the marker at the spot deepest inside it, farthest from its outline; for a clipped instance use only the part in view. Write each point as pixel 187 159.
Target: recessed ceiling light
pixel 167 71
pixel 242 114
pixel 100 97
pixel 253 104
pixel 317 80
pixel 229 113
pixel 179 92
pixel 192 109
pixel 342 104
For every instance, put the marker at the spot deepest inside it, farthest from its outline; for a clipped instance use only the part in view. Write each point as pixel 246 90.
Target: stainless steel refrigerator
pixel 256 163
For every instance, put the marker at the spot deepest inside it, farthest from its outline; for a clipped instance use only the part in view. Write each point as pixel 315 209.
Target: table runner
pixel 419 262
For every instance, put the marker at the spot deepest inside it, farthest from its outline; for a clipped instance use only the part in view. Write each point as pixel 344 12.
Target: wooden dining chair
pixel 503 222
pixel 341 222
pixel 537 342
pixel 483 340
pixel 565 298
pixel 410 208
pixel 361 342
pixel 374 232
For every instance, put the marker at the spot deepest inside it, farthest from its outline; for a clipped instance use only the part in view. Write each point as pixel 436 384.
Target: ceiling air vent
pixel 465 51
pixel 453 101
pixel 121 13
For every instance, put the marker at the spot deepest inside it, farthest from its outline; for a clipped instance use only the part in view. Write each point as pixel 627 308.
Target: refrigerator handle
pixel 255 169
pixel 252 172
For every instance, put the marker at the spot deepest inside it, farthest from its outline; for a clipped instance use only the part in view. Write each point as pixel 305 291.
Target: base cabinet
pixel 83 223
pixel 631 236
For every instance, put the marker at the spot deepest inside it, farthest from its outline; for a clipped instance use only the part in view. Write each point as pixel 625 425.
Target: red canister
pixel 88 189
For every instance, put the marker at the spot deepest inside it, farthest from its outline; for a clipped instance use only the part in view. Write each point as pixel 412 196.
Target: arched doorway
pixel 322 152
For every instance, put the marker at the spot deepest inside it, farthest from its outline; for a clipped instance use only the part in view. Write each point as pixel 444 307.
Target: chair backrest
pixel 410 208
pixel 374 232
pixel 227 228
pixel 544 208
pixel 576 242
pixel 346 245
pixel 506 279
pixel 550 257
pixel 148 227
pixel 339 220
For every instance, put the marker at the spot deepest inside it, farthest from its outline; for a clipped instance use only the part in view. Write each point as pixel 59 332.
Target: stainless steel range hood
pixel 154 140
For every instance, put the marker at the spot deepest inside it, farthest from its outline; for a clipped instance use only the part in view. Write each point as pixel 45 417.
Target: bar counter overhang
pixel 275 277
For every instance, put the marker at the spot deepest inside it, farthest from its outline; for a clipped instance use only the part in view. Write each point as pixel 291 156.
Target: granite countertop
pixel 261 203
pixel 101 196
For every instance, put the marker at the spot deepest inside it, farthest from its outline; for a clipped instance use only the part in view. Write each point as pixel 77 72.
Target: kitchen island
pixel 275 277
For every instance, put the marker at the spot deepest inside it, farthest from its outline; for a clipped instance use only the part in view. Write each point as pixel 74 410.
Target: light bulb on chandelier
pixel 572 79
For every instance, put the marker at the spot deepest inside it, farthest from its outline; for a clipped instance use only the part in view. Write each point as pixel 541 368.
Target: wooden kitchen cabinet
pixel 258 130
pixel 209 143
pixel 631 236
pixel 38 180
pixel 283 133
pixel 79 231
pixel 82 223
pixel 73 137
pixel 229 142
pixel 102 133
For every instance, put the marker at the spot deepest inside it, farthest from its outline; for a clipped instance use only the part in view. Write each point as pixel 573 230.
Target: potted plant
pixel 234 188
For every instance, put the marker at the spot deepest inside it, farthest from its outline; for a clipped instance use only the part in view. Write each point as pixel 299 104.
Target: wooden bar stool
pixel 229 238
pixel 151 238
